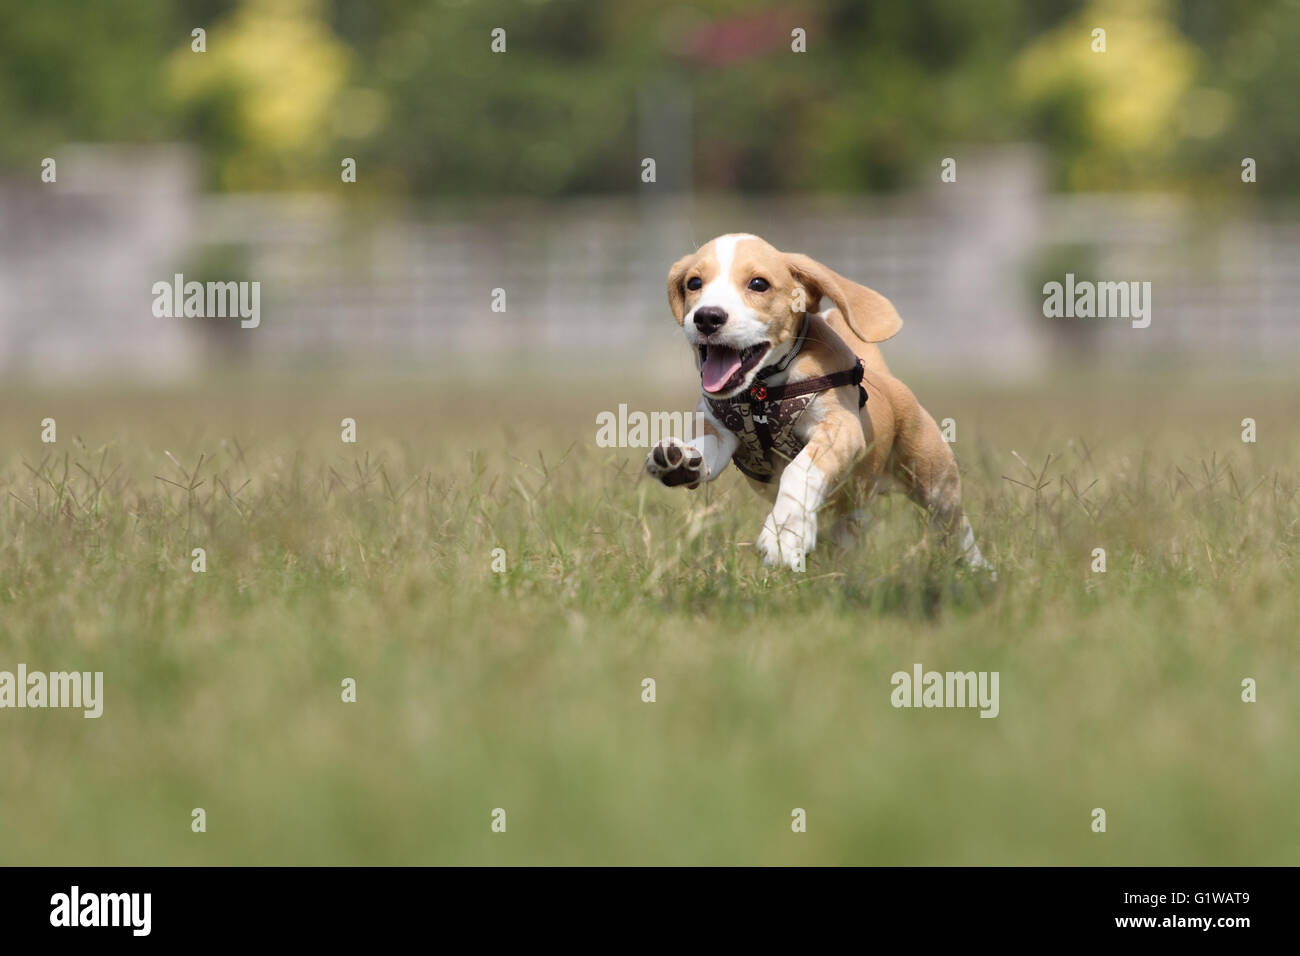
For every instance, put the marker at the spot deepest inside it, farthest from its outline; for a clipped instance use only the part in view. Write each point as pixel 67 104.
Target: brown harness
pixel 764 417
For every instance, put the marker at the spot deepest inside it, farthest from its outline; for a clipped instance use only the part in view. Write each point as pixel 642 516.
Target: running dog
pixel 801 401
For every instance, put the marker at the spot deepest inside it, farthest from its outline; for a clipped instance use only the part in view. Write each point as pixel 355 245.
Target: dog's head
pixel 741 304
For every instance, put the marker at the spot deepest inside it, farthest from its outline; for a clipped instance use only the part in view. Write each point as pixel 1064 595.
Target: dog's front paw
pixel 787 541
pixel 674 463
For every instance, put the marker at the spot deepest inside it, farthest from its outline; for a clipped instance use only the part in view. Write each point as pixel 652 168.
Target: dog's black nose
pixel 709 318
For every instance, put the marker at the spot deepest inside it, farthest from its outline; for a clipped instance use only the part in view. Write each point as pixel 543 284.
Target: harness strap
pixel 775 393
pixel 790 356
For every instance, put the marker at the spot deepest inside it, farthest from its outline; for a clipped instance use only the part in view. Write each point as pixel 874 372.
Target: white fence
pixel 583 279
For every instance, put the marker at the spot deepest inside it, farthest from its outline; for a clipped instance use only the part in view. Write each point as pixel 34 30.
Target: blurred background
pixel 523 171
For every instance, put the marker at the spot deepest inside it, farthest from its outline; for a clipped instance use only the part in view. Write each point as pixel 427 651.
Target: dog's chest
pixel 767 431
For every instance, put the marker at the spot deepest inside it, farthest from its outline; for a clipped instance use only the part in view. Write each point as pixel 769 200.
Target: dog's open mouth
pixel 723 368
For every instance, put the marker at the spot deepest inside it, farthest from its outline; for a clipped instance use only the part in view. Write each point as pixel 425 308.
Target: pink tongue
pixel 719 365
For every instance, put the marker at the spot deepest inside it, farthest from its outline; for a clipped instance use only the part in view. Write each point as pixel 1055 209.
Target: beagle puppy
pixel 801 401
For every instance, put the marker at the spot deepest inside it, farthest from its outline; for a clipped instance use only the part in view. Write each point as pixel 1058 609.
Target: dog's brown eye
pixel 759 285
pixel 694 283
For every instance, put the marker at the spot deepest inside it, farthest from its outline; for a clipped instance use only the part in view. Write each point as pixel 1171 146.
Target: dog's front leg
pixel 676 462
pixel 833 448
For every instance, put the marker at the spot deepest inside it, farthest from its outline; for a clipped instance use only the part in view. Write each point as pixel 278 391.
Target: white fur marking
pixel 715 451
pixel 743 327
pixel 970 552
pixel 790 531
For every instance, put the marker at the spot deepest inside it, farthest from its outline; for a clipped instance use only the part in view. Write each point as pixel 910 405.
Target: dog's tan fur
pixel 891 444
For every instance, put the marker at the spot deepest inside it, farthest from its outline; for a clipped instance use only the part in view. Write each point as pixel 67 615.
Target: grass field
pixel 478 690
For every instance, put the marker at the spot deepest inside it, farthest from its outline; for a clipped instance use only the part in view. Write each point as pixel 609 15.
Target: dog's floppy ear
pixel 677 287
pixel 869 314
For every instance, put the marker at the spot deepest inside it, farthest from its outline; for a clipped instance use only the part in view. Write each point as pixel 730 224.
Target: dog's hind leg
pixel 850 527
pixel 935 485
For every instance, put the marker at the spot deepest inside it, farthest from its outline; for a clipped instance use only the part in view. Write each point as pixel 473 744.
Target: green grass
pixel 522 690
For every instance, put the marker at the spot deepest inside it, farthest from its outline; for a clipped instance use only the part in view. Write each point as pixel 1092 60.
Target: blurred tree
pixel 76 70
pixel 412 89
pixel 1111 98
pixel 264 93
